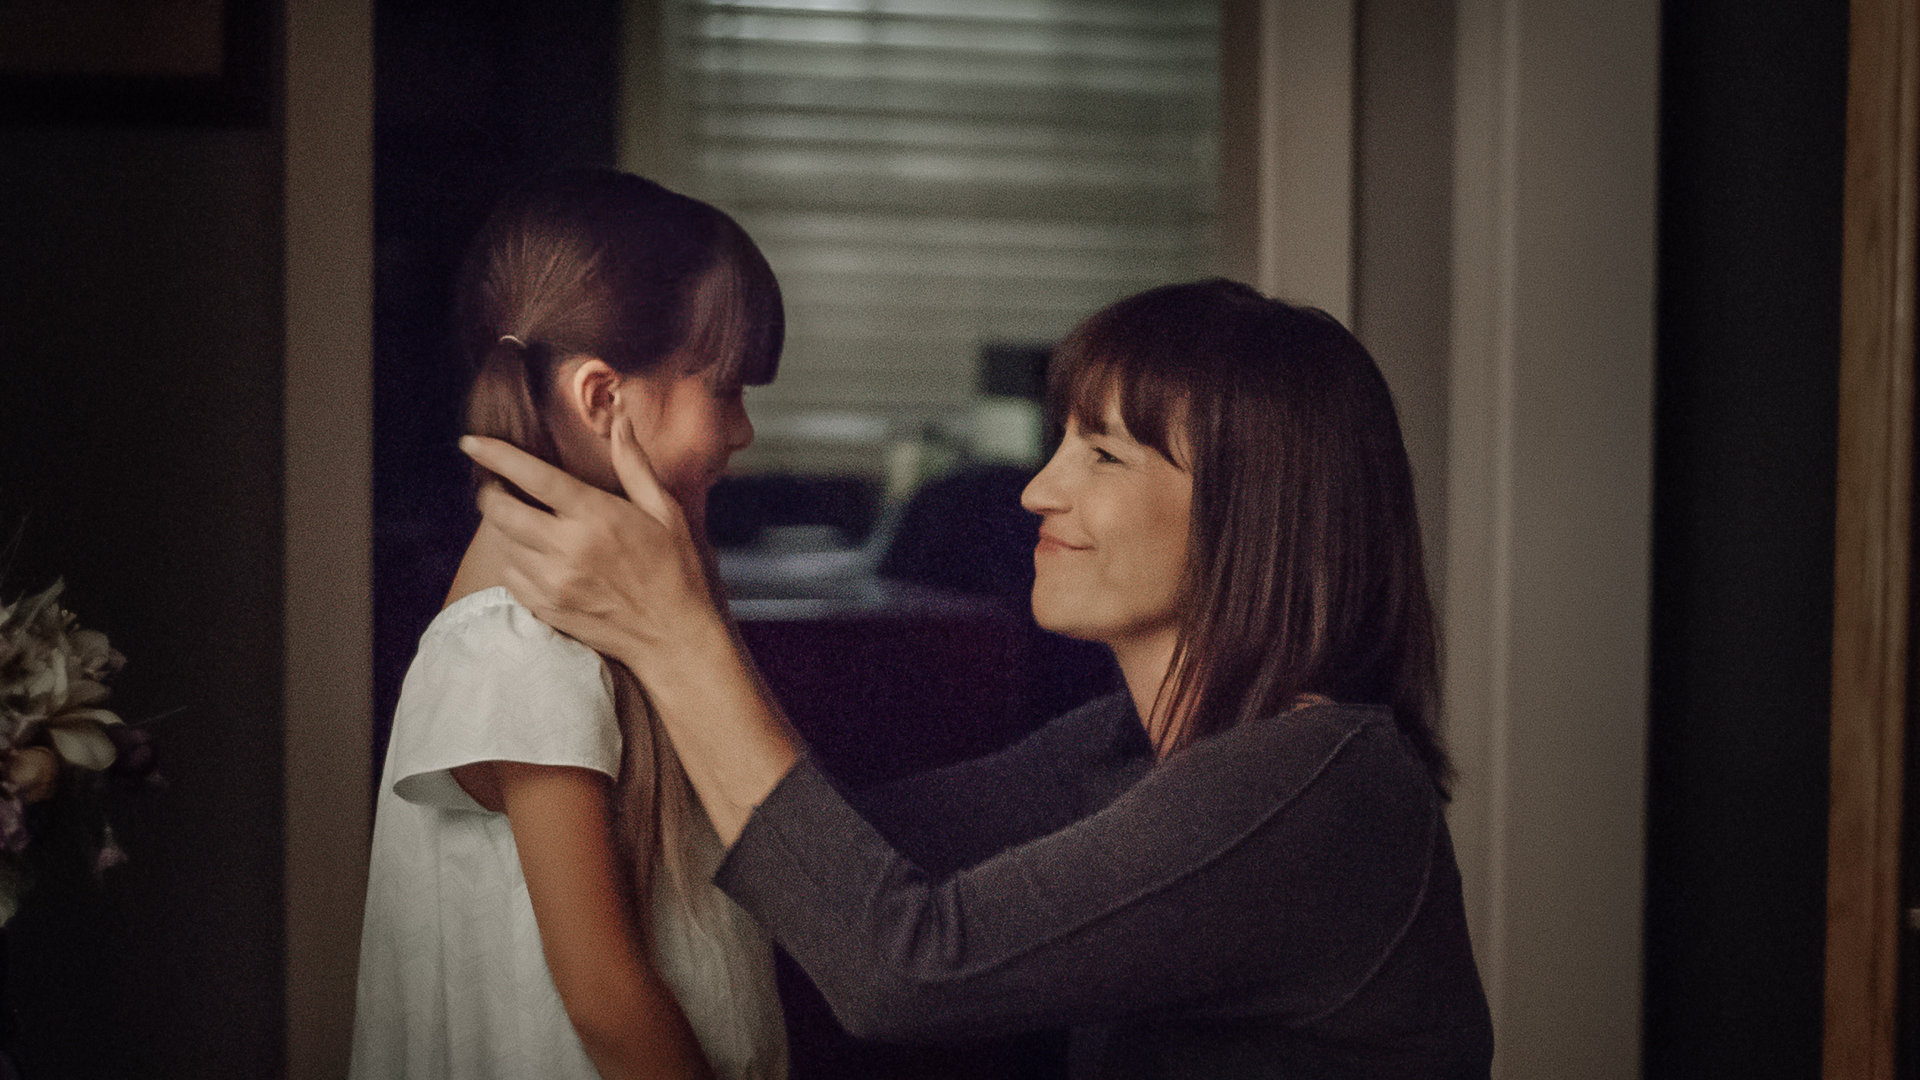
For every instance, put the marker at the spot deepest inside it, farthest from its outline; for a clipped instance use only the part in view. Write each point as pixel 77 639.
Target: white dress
pixel 453 983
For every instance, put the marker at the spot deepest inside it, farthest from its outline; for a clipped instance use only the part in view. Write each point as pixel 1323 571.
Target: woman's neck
pixel 1144 662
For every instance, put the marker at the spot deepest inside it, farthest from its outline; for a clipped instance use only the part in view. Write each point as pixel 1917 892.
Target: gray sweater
pixel 1278 900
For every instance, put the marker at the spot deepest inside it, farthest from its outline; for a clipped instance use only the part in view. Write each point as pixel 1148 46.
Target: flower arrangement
pixel 57 741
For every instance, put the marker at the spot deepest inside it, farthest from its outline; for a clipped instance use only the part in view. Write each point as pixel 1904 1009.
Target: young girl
pixel 539 899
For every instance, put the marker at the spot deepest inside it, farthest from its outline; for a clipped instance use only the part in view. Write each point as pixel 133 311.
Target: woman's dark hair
pixel 593 262
pixel 1305 573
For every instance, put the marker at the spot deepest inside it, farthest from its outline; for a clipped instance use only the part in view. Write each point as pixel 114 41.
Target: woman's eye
pixel 1104 458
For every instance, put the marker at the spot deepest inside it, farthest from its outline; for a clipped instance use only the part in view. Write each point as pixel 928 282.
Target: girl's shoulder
pixel 490 682
pixel 489 643
pixel 490 622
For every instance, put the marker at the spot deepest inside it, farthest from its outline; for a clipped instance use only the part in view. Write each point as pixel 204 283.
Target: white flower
pixel 93 657
pixel 53 686
pixel 80 740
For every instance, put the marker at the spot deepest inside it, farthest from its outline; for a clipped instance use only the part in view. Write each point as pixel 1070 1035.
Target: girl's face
pixel 689 426
pixel 1113 536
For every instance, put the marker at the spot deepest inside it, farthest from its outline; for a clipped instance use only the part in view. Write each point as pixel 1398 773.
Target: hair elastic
pixel 515 340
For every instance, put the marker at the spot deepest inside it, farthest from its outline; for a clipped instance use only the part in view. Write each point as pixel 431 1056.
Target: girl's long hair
pixel 1305 573
pixel 593 262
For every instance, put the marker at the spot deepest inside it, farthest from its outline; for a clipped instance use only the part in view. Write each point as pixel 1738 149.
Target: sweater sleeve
pixel 1272 867
pixel 956 816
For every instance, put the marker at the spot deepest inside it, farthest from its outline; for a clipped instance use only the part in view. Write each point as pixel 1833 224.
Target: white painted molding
pixel 1306 153
pixel 1549 517
pixel 1287 198
pixel 1479 525
pixel 328 520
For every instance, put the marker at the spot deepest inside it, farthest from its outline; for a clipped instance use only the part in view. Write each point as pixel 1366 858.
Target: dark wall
pixel 468 100
pixel 1753 107
pixel 140 445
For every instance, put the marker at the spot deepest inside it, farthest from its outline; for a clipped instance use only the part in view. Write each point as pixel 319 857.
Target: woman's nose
pixel 1043 494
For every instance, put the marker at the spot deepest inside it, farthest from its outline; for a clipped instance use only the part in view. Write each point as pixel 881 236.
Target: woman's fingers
pixel 527 526
pixel 612 572
pixel 535 477
pixel 631 464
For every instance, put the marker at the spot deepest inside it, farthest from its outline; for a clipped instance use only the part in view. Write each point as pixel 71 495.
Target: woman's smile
pixel 1050 544
pixel 1112 552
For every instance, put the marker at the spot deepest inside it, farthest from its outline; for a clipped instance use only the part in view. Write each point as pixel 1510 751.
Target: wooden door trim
pixel 1872 541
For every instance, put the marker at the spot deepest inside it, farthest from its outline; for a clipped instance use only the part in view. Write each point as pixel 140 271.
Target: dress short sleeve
pixel 493 683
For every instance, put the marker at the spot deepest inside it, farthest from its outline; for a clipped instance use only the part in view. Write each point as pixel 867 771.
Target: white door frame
pixel 328 617
pixel 1549 500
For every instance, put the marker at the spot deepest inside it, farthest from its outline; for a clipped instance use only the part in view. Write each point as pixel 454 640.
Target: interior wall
pixel 1287 171
pixel 1402 231
pixel 1752 150
pixel 140 455
pixel 1549 517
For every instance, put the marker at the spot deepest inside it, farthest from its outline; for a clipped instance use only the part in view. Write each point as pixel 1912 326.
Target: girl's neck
pixel 482 566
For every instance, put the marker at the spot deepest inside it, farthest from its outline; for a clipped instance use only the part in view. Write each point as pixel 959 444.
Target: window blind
pixel 928 177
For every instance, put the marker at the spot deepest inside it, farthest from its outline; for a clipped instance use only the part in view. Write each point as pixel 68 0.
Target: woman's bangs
pixel 1089 378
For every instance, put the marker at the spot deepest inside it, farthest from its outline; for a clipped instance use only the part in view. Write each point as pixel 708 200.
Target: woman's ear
pixel 591 392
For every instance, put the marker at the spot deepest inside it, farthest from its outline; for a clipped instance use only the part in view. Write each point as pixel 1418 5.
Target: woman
pixel 1239 866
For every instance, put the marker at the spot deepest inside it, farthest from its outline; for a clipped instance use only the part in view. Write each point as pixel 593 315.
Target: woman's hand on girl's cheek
pixel 614 573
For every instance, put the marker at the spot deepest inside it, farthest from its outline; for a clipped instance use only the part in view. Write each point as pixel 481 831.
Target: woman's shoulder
pixel 1318 745
pixel 1333 724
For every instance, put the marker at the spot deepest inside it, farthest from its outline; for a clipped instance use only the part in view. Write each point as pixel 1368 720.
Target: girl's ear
pixel 591 392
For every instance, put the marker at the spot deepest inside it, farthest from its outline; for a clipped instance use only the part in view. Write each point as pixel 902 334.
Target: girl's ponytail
pixel 506 402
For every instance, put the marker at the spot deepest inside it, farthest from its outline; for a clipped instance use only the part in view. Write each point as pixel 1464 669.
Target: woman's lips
pixel 1050 544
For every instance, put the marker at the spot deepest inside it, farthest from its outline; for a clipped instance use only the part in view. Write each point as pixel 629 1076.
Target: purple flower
pixel 134 762
pixel 13 824
pixel 111 854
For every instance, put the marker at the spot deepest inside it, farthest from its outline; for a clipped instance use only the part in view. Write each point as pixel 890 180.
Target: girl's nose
pixel 739 429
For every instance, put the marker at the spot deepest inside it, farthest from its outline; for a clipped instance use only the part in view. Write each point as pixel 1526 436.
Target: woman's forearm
pixel 732 739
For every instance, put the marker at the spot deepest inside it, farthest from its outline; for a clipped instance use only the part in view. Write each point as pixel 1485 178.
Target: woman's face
pixel 1113 536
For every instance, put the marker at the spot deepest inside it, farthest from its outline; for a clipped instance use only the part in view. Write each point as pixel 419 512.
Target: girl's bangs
pixel 737 323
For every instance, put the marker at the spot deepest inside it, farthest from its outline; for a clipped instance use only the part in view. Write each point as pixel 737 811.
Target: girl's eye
pixel 1104 458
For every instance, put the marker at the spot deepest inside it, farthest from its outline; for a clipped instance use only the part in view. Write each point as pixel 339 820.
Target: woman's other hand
pixel 621 575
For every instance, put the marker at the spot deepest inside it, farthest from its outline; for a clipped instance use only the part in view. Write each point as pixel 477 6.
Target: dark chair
pixel 966 532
